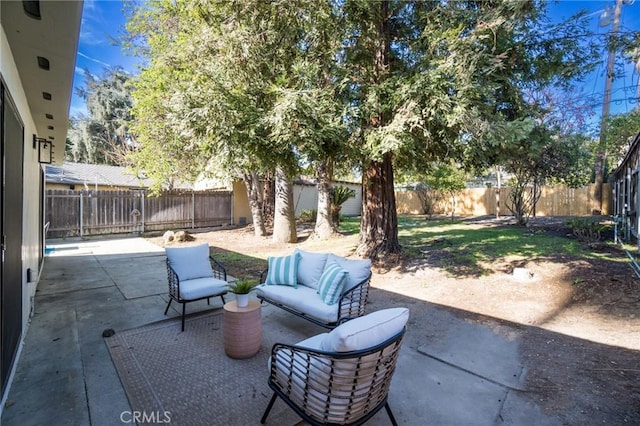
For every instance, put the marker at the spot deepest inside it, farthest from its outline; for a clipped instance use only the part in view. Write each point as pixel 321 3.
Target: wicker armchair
pixel 194 275
pixel 342 386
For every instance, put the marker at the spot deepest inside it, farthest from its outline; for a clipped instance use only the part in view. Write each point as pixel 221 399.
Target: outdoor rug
pixel 185 378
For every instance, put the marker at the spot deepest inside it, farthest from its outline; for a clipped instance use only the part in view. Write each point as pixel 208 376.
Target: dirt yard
pixel 578 320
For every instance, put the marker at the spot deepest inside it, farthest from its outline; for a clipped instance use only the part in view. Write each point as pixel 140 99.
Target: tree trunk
pixel 324 228
pixel 269 199
pixel 599 181
pixel 284 224
pixel 254 193
pixel 379 223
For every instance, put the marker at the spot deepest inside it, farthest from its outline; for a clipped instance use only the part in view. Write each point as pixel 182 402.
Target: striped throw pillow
pixel 331 283
pixel 283 270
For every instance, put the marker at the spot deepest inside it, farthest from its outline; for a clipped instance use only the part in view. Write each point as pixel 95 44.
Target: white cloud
pixel 92 22
pixel 97 61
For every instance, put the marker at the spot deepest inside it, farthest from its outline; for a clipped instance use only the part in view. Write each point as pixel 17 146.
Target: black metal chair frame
pixel 352 303
pixel 300 362
pixel 219 272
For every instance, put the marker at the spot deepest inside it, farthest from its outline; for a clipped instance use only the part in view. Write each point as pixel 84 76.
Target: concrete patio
pixel 467 375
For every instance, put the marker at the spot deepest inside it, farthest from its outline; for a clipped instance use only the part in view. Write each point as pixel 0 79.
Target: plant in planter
pixel 241 288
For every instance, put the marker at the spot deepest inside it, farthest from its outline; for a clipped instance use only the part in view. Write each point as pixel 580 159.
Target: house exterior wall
pixel 31 185
pixel 241 211
pixel 353 206
pixel 305 197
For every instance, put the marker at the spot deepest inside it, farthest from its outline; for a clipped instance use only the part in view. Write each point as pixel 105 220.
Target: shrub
pixel 308 215
pixel 586 230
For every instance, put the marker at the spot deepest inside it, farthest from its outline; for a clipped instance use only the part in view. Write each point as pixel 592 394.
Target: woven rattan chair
pixel 194 275
pixel 344 387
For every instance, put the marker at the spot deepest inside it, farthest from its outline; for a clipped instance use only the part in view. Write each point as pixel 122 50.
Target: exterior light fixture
pixel 43 63
pixel 45 149
pixel 32 8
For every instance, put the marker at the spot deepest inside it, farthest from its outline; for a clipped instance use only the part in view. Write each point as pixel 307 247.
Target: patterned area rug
pixel 185 378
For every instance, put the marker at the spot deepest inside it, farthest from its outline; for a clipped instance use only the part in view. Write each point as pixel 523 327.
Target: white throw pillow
pixel 366 331
pixel 358 269
pixel 190 262
pixel 331 283
pixel 310 267
pixel 283 270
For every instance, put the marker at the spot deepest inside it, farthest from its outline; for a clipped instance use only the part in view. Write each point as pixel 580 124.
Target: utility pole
pixel 606 103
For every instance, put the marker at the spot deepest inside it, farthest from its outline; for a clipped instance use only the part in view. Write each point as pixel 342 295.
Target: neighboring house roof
pixel 93 174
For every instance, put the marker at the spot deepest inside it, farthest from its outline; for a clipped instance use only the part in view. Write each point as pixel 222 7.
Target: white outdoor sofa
pixel 320 287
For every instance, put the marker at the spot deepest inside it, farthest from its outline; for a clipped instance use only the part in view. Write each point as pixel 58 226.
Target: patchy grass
pixel 467 248
pixel 464 248
pixel 239 265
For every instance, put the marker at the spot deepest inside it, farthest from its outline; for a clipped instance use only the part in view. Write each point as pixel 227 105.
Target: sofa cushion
pixel 366 331
pixel 358 269
pixel 190 262
pixel 198 288
pixel 310 267
pixel 283 270
pixel 331 283
pixel 303 299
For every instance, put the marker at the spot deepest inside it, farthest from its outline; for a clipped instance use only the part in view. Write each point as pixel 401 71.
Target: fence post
pixel 81 218
pixel 144 199
pixel 193 209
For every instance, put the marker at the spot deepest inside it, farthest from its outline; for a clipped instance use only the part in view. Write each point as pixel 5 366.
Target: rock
pixel 182 236
pixel 522 274
pixel 168 237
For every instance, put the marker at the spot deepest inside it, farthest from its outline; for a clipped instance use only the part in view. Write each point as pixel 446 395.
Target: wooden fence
pixel 556 200
pixel 80 213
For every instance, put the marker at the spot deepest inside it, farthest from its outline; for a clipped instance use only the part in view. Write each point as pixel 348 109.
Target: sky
pixel 103 21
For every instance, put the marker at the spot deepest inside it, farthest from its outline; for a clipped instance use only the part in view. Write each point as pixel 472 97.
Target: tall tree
pixel 266 85
pixel 102 136
pixel 440 80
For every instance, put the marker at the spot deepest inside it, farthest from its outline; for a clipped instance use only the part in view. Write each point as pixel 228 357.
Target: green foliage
pixel 620 131
pixel 339 195
pixel 587 231
pixel 308 215
pixel 233 87
pixel 535 156
pixel 242 286
pixel 103 137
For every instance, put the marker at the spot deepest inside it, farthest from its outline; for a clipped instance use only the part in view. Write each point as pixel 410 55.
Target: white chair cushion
pixel 366 331
pixel 310 267
pixel 303 299
pixel 358 269
pixel 331 283
pixel 283 270
pixel 198 288
pixel 190 262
